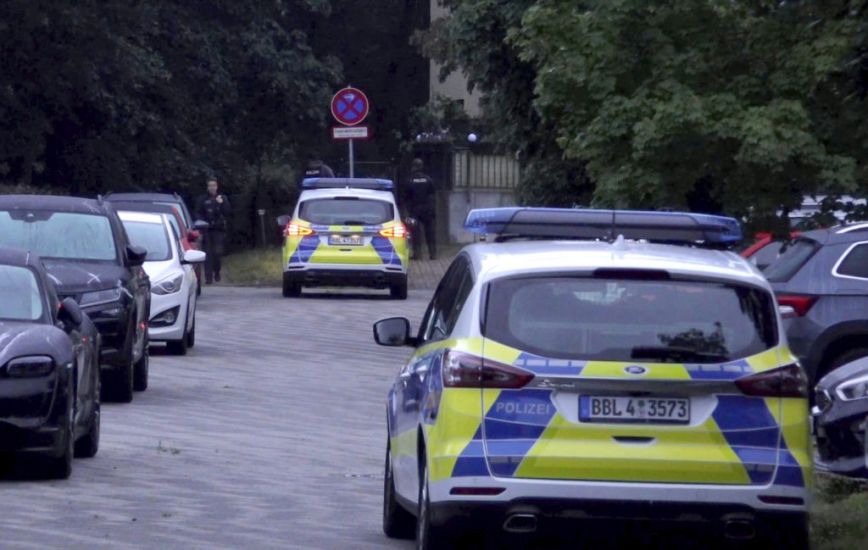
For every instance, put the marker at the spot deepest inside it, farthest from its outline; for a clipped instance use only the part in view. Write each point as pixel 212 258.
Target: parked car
pixel 173 280
pixel 765 249
pixel 88 256
pixel 822 282
pixel 189 229
pixel 49 368
pixel 565 375
pixel 841 419
pixel 345 231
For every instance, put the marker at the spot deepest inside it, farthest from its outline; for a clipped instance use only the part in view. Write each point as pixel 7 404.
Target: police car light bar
pixel 571 223
pixel 356 183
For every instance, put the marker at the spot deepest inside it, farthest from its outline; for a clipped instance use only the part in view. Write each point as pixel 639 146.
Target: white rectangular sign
pixel 350 132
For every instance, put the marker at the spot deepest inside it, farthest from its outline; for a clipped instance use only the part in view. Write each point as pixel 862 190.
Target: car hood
pixel 157 271
pixel 18 339
pixel 73 277
pixel 842 373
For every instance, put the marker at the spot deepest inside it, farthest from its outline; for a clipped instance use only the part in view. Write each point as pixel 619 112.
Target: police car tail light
pixel 396 232
pixel 462 370
pixel 296 230
pixel 789 381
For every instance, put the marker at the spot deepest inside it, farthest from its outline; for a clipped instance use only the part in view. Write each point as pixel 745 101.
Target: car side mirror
pixel 136 255
pixel 69 313
pixel 193 236
pixel 194 257
pixel 283 221
pixel 201 225
pixel 394 331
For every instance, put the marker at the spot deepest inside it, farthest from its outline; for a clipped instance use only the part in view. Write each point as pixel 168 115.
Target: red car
pixel 765 248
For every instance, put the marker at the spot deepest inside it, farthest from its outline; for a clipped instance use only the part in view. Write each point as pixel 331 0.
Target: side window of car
pixel 855 263
pixel 436 324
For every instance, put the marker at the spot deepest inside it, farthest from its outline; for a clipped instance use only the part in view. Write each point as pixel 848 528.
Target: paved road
pixel 269 434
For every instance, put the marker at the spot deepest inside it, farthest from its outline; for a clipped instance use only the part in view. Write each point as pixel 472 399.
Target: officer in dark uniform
pixel 213 208
pixel 316 168
pixel 420 194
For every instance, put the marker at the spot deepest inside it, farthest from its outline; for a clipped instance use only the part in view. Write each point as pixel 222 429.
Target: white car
pixel 173 279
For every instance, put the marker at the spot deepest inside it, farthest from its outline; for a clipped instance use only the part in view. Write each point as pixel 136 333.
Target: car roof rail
pixel 375 184
pixel 606 225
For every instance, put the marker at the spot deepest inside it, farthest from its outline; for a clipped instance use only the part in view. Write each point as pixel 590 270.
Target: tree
pixel 660 97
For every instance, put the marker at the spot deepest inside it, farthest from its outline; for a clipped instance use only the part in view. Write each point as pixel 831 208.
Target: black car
pixel 821 283
pixel 89 257
pixel 49 368
pixel 841 419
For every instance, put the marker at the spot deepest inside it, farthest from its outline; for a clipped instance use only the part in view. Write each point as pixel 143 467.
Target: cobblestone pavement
pixel 269 434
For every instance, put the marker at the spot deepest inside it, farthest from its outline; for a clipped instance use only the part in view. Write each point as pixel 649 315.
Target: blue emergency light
pixel 573 223
pixel 354 183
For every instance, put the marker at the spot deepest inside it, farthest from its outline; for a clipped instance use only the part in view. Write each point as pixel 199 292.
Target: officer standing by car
pixel 214 208
pixel 420 192
pixel 316 168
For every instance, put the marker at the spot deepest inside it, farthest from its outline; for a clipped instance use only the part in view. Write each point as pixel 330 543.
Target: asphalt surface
pixel 270 433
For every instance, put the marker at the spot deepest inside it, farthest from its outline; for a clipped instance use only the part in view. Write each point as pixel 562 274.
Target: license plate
pixel 648 410
pixel 345 240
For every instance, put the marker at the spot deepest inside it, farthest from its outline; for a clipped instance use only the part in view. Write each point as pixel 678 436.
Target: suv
pixel 821 281
pixel 345 231
pixel 89 257
pixel 573 372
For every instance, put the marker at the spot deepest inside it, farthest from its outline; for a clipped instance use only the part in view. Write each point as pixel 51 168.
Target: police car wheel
pixel 399 290
pixel 291 289
pixel 398 523
pixel 428 537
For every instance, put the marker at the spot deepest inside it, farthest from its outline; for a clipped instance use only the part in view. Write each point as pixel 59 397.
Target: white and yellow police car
pixel 597 365
pixel 345 232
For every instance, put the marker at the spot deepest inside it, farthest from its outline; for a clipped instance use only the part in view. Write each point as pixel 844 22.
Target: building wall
pixel 455 85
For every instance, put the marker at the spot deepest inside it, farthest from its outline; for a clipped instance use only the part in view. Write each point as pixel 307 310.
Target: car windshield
pixel 59 235
pixel 605 319
pixel 20 299
pixel 150 236
pixel 791 260
pixel 346 211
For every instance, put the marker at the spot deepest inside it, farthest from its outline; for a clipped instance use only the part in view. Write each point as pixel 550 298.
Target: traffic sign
pixel 350 132
pixel 350 106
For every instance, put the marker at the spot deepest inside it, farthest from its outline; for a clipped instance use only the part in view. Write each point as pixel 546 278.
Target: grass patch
pixel 257 266
pixel 839 516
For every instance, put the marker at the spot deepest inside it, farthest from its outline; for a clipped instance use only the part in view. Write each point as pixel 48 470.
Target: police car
pixel 597 365
pixel 345 232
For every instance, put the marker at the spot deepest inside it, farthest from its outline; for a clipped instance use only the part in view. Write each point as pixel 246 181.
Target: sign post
pixel 350 107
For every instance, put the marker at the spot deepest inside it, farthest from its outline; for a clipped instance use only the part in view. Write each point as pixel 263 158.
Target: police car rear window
pixel 346 211
pixel 604 319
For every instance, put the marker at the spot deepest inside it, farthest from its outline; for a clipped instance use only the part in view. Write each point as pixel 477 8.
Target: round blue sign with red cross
pixel 350 106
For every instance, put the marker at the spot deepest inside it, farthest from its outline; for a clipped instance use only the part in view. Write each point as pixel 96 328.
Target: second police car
pixel 345 231
pixel 600 373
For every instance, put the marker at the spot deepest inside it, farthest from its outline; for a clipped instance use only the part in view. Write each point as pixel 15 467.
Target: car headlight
pixel 169 285
pixel 98 297
pixel 29 366
pixel 856 388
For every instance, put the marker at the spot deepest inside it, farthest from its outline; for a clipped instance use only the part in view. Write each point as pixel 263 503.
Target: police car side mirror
pixel 394 331
pixel 283 221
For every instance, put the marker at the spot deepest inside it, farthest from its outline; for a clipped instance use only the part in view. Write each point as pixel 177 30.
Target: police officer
pixel 316 168
pixel 214 208
pixel 421 196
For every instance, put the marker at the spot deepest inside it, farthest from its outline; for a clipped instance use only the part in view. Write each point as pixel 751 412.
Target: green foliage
pixel 657 96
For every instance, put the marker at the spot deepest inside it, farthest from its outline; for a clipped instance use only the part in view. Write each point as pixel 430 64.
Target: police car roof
pixel 344 192
pixel 492 260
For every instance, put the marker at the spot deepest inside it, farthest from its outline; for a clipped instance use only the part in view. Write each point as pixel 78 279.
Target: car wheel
pixel 399 290
pixel 140 370
pixel 118 386
pixel 290 289
pixel 177 347
pixel 191 336
pixel 60 467
pixel 428 537
pixel 88 446
pixel 398 523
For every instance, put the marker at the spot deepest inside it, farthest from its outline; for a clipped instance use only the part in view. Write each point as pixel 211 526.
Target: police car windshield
pixel 59 235
pixel 657 321
pixel 346 211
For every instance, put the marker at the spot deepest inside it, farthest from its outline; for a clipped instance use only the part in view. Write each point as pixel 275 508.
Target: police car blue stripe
pixel 543 365
pixel 752 432
pixel 305 250
pixel 719 371
pixel 386 250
